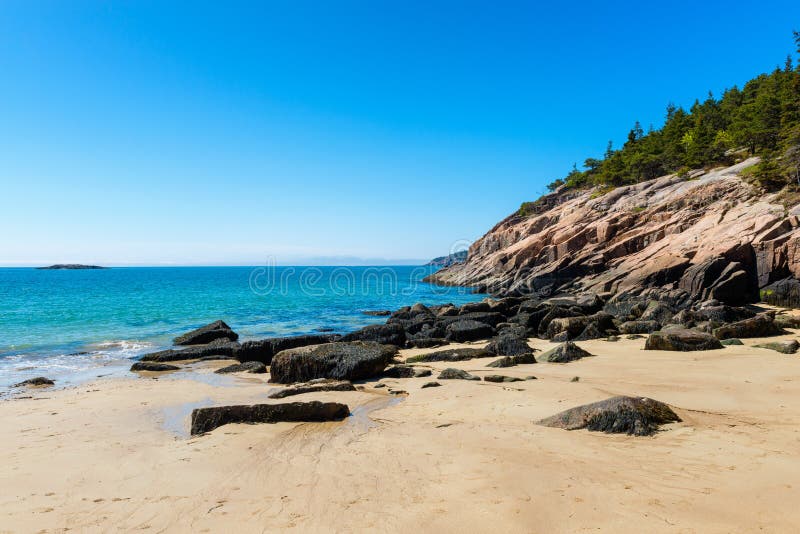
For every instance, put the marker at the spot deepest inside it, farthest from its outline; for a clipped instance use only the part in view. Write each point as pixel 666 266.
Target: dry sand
pixel 113 455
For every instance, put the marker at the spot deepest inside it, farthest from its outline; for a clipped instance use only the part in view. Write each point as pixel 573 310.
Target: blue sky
pixel 329 132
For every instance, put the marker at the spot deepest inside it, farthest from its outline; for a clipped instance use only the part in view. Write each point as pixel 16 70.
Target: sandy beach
pixel 115 455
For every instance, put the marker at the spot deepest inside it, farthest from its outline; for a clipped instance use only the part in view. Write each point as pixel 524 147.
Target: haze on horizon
pixel 139 134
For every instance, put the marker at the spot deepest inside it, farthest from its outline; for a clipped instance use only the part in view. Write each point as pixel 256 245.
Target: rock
pixel 531 377
pixel 511 361
pixel 262 350
pixel 468 330
pixel 561 337
pixel 385 334
pixel 657 312
pixel 355 360
pixel 206 334
pixel 638 416
pixel 427 342
pixel 313 387
pixel 787 321
pixel 762 325
pixel 575 379
pixel 575 326
pixel 638 327
pixel 153 367
pixel 501 378
pixel 405 371
pixel 377 313
pixel 731 341
pixel 249 367
pixel 456 374
pixel 784 347
pixel 37 382
pixel 219 347
pixel 720 279
pixel 681 340
pixel 508 345
pixel 723 314
pixel 207 419
pixel 634 336
pixel 471 307
pixel 590 332
pixel 783 293
pixel 398 392
pixel 430 385
pixel 566 352
pixel 450 355
pixel 490 318
pixel 612 339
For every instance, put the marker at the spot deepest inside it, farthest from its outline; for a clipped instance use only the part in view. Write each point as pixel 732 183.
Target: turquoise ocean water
pixel 74 325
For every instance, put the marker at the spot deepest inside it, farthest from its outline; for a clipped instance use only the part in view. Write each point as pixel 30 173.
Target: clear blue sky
pixel 225 132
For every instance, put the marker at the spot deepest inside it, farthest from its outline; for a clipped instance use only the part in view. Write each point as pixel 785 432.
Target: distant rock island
pixel 452 259
pixel 70 266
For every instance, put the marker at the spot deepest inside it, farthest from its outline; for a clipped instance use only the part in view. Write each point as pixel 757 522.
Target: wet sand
pixel 114 455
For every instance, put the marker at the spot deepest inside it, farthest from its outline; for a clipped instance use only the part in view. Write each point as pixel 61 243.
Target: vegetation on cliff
pixel 762 118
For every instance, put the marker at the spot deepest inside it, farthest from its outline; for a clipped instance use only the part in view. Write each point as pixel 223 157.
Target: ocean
pixel 75 325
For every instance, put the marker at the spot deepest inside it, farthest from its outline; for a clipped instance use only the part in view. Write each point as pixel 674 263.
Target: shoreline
pixel 475 462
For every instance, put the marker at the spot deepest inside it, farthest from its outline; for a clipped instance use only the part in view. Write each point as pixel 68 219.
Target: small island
pixel 70 267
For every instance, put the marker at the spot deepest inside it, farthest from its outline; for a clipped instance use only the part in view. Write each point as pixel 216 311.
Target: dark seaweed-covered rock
pixel 430 385
pixel 456 374
pixel 762 325
pixel 427 342
pixel 508 345
pixel 722 313
pixel 262 350
pixel 38 382
pixel 681 340
pixel 207 334
pixel 638 327
pixel 502 378
pixel 468 330
pixel 248 367
pixel 355 360
pixel 784 347
pixel 658 312
pixel 566 352
pixel 511 361
pixel 377 313
pixel 405 371
pixel 450 355
pixel 312 387
pixel 385 334
pixel 787 321
pixel 207 419
pixel 731 341
pixel 638 416
pixel 153 367
pixel 219 347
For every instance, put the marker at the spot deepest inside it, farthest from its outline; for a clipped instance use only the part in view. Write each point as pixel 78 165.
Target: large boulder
pixel 313 386
pixel 206 334
pixel 468 330
pixel 638 327
pixel 405 371
pixel 450 355
pixel 638 416
pixel 576 326
pixel 566 352
pixel 681 339
pixel 385 334
pixel 491 318
pixel 262 350
pixel 762 325
pixel 355 360
pixel 657 312
pixel 207 419
pixel 784 293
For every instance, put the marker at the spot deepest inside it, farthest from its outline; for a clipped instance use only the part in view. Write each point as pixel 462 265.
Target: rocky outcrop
pixel 207 419
pixel 207 334
pixel 712 237
pixel 637 416
pixel 356 360
pixel 683 340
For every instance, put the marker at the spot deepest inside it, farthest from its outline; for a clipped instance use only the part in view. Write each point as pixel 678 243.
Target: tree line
pixel 762 118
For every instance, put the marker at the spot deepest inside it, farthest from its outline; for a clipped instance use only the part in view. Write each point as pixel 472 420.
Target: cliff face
pixel 713 236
